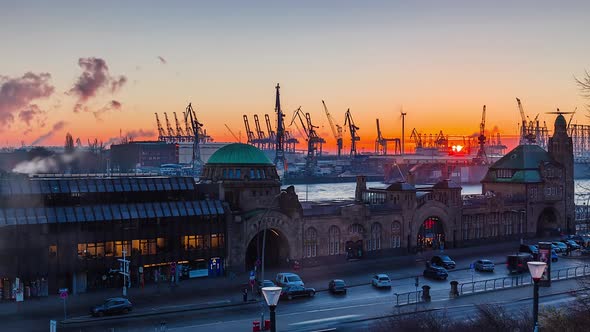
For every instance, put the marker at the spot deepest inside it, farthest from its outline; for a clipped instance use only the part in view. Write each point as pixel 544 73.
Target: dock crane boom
pixel 161 132
pixel 232 133
pixel 249 133
pixel 271 134
pixel 313 140
pixel 179 131
pixel 168 126
pixel 336 129
pixel 190 117
pixel 481 157
pixel 260 133
pixel 353 136
pixel 525 135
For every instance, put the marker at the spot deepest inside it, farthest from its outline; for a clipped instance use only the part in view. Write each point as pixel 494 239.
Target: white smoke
pixel 37 165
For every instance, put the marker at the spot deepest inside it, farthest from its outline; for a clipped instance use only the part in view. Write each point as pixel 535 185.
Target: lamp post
pixel 536 269
pixel 272 295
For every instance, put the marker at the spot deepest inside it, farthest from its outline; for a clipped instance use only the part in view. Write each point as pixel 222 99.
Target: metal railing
pixel 408 298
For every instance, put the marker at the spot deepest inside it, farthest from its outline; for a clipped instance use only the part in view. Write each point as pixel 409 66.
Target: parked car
pixel 264 283
pixel 381 281
pixel 562 246
pixel 517 263
pixel 554 257
pixel 582 241
pixel 529 249
pixel 484 265
pixel 571 244
pixel 117 305
pixel 288 279
pixel 435 272
pixel 337 286
pixel 444 261
pixel 555 247
pixel 291 292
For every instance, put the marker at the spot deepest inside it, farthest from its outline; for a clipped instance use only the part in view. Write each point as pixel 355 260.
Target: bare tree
pixel 584 85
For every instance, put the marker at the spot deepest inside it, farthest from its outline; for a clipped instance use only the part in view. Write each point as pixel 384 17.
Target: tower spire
pixel 280 139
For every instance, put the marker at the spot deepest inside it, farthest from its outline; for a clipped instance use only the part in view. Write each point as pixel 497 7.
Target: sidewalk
pixel 227 291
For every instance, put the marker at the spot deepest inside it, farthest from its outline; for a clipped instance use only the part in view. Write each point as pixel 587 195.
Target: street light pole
pixel 272 295
pixel 536 269
pixel 273 318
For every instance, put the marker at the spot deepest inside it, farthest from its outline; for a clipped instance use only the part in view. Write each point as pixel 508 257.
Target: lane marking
pixel 325 320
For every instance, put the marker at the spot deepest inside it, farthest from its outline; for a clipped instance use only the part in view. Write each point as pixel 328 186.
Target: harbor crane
pixel 190 117
pixel 336 129
pixel 238 139
pixel 381 143
pixel 260 133
pixel 313 140
pixel 352 128
pixel 179 131
pixel 481 157
pixel 249 133
pixel 168 126
pixel 271 134
pixel 525 135
pixel 161 132
pixel 417 137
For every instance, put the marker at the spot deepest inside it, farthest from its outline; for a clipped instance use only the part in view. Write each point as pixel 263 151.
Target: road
pixel 324 310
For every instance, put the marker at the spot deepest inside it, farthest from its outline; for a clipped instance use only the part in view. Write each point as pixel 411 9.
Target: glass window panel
pixel 101 185
pixel 31 216
pixel 70 214
pixel 83 185
pixel 61 214
pixel 133 211
pixel 143 184
pixel 4 188
pixel 150 183
pixel 21 217
pixel 44 185
pixel 197 207
pixel 167 184
pixel 108 214
pixel 174 182
pixel 73 186
pixel 190 183
pixel 134 184
pixel 149 208
pixel 116 212
pixel 126 184
pixel 92 188
pixel 125 212
pixel 35 187
pixel 41 216
pixel 108 183
pixel 182 183
pixel 142 210
pixel 180 208
pixel 211 206
pixel 190 211
pixel 10 217
pixel 98 214
pixel 15 187
pixel 89 214
pixel 219 207
pixel 54 186
pixel 80 213
pixel 166 209
pixel 2 218
pixel 117 185
pixel 51 216
pixel 159 184
pixel 204 208
pixel 63 186
pixel 158 210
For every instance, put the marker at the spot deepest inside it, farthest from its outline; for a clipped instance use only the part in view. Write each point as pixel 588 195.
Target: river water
pixel 345 191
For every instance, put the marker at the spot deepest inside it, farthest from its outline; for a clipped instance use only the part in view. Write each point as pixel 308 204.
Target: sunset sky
pixel 99 68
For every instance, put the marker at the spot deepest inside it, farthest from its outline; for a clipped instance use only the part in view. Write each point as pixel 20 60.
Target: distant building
pixel 133 156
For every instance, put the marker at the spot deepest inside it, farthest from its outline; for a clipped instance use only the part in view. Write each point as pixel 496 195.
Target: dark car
pixel 582 241
pixel 444 261
pixel 264 283
pixel 117 305
pixel 571 244
pixel 554 257
pixel 529 249
pixel 435 272
pixel 518 263
pixel 337 286
pixel 291 292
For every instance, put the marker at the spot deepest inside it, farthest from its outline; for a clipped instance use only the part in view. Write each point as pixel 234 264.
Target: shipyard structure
pixel 71 231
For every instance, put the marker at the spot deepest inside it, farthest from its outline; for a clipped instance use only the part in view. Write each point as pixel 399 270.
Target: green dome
pixel 239 153
pixel 560 121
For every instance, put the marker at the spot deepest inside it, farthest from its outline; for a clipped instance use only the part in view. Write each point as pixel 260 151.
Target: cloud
pixel 95 77
pixel 56 127
pixel 131 135
pixel 16 93
pixel 28 114
pixel 162 60
pixel 112 105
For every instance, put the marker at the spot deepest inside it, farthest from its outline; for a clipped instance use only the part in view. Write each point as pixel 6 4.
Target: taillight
pixel 519 265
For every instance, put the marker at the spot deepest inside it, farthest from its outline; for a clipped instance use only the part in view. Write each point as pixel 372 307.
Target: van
pixel 518 263
pixel 288 279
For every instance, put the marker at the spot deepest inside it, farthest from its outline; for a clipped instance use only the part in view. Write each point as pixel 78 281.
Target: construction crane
pixel 232 133
pixel 417 137
pixel 336 129
pixel 161 132
pixel 260 133
pixel 179 131
pixel 381 143
pixel 249 133
pixel 313 140
pixel 168 126
pixel 352 129
pixel 196 127
pixel 481 157
pixel 271 134
pixel 526 136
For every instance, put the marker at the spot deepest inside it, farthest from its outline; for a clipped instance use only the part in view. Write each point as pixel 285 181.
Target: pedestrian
pixel 568 250
pixel 245 294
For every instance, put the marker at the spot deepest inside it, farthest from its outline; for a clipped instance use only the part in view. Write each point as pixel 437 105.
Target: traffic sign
pixel 63 293
pixel 472 266
pixel 417 281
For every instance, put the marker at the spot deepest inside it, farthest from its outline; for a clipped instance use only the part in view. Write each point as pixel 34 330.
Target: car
pixel 264 283
pixel 288 279
pixel 518 263
pixel 116 305
pixel 435 272
pixel 444 261
pixel 484 265
pixel 291 292
pixel 554 257
pixel 555 247
pixel 562 246
pixel 529 248
pixel 381 281
pixel 582 241
pixel 572 245
pixel 337 286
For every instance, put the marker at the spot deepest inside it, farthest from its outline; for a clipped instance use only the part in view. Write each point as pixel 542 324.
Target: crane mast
pixel 161 132
pixel 481 157
pixel 249 133
pixel 353 136
pixel 168 126
pixel 336 129
pixel 190 116
pixel 232 133
pixel 179 131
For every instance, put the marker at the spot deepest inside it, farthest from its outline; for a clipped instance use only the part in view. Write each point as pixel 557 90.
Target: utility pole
pixel 124 270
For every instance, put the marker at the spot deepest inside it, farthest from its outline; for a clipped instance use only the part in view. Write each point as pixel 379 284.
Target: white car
pixel 381 281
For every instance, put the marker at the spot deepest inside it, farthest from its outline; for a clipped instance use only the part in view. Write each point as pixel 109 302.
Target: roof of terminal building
pixel 239 154
pixel 523 161
pixel 401 186
pixel 446 184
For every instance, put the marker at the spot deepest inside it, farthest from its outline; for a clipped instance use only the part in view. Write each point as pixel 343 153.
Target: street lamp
pixel 536 269
pixel 272 295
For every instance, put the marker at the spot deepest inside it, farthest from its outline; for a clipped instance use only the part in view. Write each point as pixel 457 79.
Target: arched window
pixel 311 242
pixel 375 241
pixel 334 240
pixel 396 234
pixel 356 228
